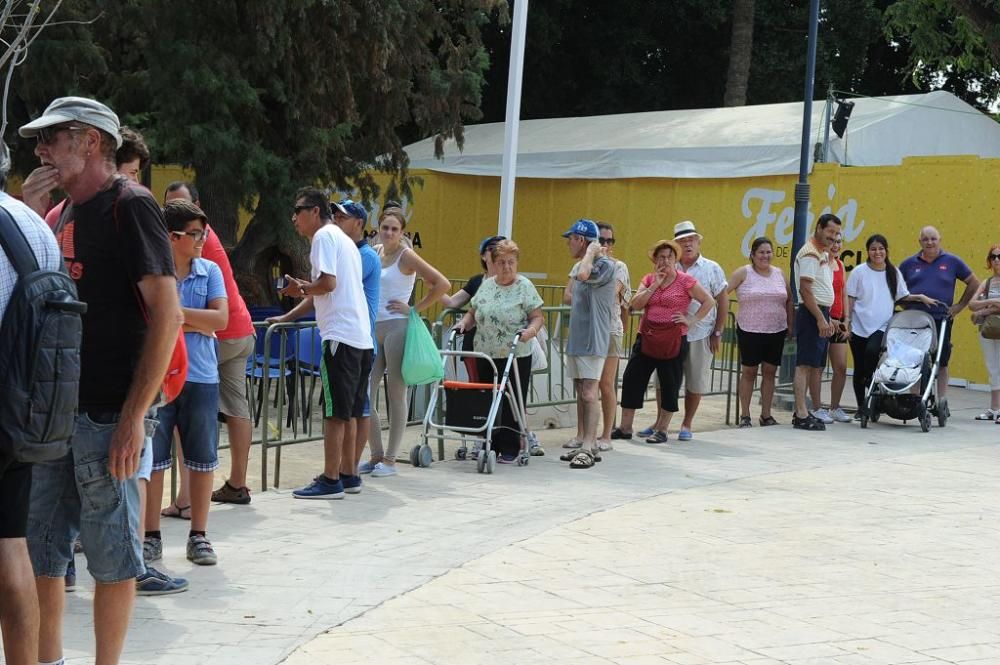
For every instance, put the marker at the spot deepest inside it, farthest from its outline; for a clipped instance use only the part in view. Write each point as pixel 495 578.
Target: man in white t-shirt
pixel 337 294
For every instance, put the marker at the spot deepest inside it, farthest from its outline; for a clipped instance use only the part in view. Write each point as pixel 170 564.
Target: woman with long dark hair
pixel 873 289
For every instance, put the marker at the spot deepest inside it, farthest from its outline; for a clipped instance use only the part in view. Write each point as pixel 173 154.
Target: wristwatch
pixel 717 333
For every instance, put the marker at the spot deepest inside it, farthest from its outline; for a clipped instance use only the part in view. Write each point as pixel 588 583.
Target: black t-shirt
pixel 471 287
pixel 107 252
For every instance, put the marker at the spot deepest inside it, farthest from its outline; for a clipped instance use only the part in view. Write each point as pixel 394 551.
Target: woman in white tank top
pixel 400 268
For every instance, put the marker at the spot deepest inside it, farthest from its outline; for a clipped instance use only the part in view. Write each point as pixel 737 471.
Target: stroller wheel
pixel 461 453
pixel 481 462
pixel 925 421
pixel 864 420
pixel 415 456
pixel 523 459
pixel 491 461
pixel 426 455
pixel 874 415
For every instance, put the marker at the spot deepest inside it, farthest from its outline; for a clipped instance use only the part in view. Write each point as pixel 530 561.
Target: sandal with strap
pixel 617 433
pixel 573 444
pixel 657 437
pixel 767 422
pixel 988 414
pixel 179 512
pixel 745 422
pixel 584 459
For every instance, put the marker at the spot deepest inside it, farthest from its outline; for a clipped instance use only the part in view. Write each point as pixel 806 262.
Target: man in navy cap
pixel 591 292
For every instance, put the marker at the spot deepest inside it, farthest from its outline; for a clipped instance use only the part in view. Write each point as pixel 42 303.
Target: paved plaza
pixel 758 546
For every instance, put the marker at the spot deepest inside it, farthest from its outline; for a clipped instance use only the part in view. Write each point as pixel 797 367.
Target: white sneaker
pixel 823 415
pixel 382 470
pixel 840 416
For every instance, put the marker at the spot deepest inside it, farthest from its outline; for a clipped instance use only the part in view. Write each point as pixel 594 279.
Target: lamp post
pixel 512 124
pixel 801 230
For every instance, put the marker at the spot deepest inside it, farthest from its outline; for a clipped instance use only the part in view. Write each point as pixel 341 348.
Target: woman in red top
pixel 664 297
pixel 838 346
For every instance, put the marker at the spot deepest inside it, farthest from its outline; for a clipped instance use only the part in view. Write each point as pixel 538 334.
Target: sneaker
pixel 78 546
pixel 840 416
pixel 823 415
pixel 200 552
pixel 321 488
pixel 535 449
pixel 352 484
pixel 646 433
pixel 365 467
pixel 231 494
pixel 152 549
pixel 154 583
pixel 70 578
pixel 382 470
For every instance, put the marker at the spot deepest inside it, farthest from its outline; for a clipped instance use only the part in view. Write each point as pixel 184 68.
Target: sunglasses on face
pixel 47 135
pixel 606 241
pixel 197 236
pixel 298 209
pixel 994 257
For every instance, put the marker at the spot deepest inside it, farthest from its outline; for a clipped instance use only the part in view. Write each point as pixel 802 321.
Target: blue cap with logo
pixel 583 227
pixel 352 209
pixel 489 242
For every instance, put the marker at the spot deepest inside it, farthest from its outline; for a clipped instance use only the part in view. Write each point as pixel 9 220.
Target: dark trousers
pixel 640 367
pixel 865 351
pixel 506 441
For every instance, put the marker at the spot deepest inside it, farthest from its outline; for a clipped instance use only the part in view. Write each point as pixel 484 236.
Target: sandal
pixel 571 455
pixel 584 459
pixel 745 422
pixel 173 510
pixel 767 422
pixel 617 433
pixel 810 423
pixel 988 414
pixel 573 444
pixel 657 437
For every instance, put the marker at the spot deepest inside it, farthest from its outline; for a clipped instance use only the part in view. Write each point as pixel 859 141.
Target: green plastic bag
pixel 421 360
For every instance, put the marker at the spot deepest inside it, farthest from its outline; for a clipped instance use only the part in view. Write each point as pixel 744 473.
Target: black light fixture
pixel 841 117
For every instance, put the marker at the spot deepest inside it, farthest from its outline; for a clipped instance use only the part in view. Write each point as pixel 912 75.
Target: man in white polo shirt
pixel 814 285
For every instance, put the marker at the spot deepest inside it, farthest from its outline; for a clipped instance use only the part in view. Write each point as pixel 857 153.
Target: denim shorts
pixel 77 495
pixel 195 415
pixel 810 347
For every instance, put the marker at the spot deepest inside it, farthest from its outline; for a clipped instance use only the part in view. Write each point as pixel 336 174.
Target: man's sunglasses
pixel 299 209
pixel 606 241
pixel 47 135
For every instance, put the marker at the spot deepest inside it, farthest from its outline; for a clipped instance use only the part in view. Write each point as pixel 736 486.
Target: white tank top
pixel 395 286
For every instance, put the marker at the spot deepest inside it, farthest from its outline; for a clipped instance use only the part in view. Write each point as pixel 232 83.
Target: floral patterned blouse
pixel 500 312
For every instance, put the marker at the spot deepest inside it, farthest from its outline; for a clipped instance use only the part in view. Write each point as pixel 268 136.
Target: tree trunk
pixel 740 53
pixel 266 251
pixel 986 20
pixel 222 207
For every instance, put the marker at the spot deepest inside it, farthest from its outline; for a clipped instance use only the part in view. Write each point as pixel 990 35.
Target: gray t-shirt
pixel 590 316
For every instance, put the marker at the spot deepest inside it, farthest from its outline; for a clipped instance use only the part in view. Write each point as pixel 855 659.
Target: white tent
pixel 735 142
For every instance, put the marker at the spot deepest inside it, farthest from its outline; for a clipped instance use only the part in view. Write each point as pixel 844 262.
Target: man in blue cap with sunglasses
pixel 591 293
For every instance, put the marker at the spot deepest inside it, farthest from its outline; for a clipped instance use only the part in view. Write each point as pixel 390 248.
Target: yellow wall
pixel 453 213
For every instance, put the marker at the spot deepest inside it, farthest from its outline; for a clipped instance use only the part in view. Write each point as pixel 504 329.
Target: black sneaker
pixel 810 423
pixel 70 579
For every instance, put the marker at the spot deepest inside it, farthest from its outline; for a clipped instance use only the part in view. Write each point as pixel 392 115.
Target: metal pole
pixel 802 187
pixel 827 121
pixel 507 177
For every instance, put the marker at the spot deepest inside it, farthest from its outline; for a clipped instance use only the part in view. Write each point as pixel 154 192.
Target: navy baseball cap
pixel 489 242
pixel 352 209
pixel 583 227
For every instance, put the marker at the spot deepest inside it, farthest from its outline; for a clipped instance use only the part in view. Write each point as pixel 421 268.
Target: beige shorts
pixel 584 367
pixel 615 349
pixel 233 354
pixel 698 368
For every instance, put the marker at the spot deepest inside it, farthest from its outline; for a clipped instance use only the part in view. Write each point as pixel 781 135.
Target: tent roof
pixel 719 143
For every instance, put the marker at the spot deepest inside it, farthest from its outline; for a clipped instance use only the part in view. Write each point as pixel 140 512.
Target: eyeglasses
pixel 197 236
pixel 47 135
pixel 606 241
pixel 299 209
pixel 994 257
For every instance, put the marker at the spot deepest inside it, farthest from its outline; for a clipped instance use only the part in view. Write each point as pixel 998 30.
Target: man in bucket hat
pixel 115 245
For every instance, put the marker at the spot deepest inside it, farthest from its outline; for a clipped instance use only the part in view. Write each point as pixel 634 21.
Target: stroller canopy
pixel 916 327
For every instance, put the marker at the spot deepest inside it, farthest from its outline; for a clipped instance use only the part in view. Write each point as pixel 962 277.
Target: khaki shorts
pixel 615 349
pixel 698 368
pixel 233 354
pixel 584 367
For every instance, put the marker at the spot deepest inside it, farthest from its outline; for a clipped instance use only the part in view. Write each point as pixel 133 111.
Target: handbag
pixel 989 326
pixel 660 341
pixel 421 359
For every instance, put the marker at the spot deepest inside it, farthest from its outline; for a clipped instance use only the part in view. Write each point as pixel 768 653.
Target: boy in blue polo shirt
pixel 194 413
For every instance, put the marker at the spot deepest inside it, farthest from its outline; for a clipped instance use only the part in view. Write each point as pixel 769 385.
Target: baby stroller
pixel 911 355
pixel 476 411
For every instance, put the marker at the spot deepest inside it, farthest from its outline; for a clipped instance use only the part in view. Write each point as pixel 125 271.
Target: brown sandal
pixel 173 510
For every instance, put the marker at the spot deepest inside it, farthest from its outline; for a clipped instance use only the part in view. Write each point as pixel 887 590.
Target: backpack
pixel 39 355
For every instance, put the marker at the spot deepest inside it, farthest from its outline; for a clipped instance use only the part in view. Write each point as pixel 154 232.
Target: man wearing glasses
pixel 117 250
pixel 934 273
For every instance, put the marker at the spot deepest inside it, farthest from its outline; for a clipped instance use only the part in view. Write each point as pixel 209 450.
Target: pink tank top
pixel 762 302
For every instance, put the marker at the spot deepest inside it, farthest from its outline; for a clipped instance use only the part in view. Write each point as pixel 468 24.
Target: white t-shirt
pixel 712 278
pixel 342 314
pixel 873 304
pixel 815 266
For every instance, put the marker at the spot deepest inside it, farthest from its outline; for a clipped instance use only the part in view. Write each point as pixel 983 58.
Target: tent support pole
pixel 507 177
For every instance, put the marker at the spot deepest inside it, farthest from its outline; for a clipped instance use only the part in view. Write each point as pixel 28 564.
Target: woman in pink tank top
pixel 763 321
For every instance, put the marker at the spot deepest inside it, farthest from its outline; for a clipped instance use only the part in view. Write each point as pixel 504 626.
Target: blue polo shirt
pixel 371 279
pixel 935 279
pixel 202 285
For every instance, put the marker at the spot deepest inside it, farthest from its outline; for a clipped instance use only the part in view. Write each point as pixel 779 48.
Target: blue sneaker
pixel 70 579
pixel 365 467
pixel 321 488
pixel 154 583
pixel 352 484
pixel 646 433
pixel 685 435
